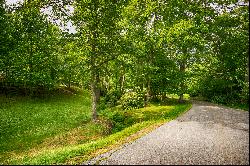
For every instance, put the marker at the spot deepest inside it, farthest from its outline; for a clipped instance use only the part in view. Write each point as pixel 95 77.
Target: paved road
pixel 206 134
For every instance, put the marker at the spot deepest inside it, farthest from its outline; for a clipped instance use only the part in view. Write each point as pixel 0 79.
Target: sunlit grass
pixel 156 111
pixel 175 96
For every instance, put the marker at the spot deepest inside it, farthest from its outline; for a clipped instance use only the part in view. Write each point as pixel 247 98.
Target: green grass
pixel 25 122
pixel 175 96
pixel 58 129
pixel 62 155
pixel 156 111
pixel 244 107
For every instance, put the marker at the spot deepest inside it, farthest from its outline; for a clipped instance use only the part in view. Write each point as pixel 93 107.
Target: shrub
pixel 131 100
pixel 112 97
pixel 245 93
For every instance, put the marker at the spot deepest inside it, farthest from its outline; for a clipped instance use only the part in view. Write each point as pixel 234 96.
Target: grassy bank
pixel 58 129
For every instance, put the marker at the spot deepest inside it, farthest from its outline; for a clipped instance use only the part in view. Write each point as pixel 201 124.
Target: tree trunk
pixel 148 95
pixel 122 80
pixel 94 97
pixel 94 77
pixel 98 88
pixel 163 96
pixel 94 101
pixel 247 73
pixel 181 98
pixel 93 84
pixel 182 70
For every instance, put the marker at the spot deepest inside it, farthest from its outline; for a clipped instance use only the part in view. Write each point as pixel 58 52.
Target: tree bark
pixel 98 88
pixel 94 100
pixel 148 92
pixel 95 95
pixel 182 70
pixel 181 98
pixel 163 96
pixel 247 68
pixel 94 80
pixel 121 82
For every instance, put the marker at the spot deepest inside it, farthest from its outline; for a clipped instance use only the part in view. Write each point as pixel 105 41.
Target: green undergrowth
pixel 242 106
pixel 121 119
pixel 59 130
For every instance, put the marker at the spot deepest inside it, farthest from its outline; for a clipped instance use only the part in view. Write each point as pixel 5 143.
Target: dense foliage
pixel 146 47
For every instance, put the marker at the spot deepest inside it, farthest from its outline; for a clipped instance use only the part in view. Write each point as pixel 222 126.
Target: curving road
pixel 205 135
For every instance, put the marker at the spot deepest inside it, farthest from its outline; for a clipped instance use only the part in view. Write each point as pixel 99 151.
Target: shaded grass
pixel 25 122
pixel 241 106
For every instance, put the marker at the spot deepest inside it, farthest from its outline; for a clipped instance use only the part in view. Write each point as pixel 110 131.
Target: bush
pixel 245 93
pixel 112 97
pixel 131 100
pixel 102 104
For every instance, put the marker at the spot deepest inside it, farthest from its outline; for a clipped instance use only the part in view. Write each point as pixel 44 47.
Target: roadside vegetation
pixel 58 129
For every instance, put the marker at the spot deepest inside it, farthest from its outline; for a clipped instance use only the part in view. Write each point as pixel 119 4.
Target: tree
pixel 96 25
pixel 226 79
pixel 32 61
pixel 6 42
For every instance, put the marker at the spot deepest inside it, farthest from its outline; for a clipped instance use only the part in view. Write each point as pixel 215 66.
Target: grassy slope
pixel 58 129
pixel 27 122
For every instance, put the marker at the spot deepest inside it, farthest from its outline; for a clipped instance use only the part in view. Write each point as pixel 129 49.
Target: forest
pixel 127 53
